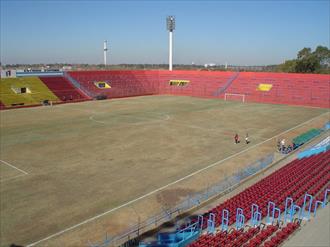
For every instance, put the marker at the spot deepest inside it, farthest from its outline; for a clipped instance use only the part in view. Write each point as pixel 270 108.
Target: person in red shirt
pixel 236 138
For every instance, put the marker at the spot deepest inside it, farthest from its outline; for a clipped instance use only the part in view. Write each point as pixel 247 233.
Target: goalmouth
pixel 235 96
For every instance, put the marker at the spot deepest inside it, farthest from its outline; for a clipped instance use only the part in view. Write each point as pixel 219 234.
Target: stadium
pixel 164 157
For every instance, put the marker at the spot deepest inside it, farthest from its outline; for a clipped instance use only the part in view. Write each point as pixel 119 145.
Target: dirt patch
pixel 170 198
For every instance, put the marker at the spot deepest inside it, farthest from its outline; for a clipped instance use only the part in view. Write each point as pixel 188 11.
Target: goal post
pixel 235 96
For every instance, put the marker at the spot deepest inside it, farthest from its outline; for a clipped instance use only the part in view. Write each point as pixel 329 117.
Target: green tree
pixel 308 64
pixel 289 66
pixel 308 61
pixel 304 53
pixel 323 54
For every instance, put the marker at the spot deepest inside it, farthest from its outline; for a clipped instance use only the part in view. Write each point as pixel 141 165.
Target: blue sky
pixel 237 32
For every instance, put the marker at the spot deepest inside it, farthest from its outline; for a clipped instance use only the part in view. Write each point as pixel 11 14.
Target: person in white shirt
pixel 282 145
pixel 247 141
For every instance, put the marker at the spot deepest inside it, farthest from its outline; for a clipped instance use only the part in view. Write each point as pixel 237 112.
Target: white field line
pixel 174 122
pixel 25 173
pixel 97 121
pixel 172 183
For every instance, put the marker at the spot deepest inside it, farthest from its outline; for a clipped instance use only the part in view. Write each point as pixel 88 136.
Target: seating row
pixel 295 89
pixel 309 175
pixel 62 88
pixel 24 92
pixel 283 88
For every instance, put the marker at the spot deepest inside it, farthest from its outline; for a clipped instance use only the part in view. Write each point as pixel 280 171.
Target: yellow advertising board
pixel 264 87
pixel 178 82
pixel 102 84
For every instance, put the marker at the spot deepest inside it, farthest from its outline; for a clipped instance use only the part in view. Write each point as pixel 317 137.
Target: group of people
pixel 285 149
pixel 237 140
pixel 281 147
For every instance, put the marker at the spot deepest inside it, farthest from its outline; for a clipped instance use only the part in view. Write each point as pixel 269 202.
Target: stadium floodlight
pixel 170 23
pixel 105 49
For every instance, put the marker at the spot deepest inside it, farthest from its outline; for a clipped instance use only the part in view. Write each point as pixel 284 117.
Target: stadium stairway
pixel 74 82
pixel 221 90
pixel 63 89
pixel 24 91
pixel 122 83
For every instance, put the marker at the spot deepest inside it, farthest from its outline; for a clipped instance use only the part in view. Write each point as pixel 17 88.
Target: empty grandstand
pixel 296 89
pixel 63 89
pixel 35 91
pixel 24 92
pixel 277 88
pixel 121 83
pixel 263 214
pixel 281 88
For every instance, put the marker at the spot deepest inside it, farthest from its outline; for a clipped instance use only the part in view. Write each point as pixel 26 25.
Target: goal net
pixel 235 97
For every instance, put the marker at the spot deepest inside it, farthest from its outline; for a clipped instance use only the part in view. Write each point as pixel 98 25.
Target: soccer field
pixel 67 170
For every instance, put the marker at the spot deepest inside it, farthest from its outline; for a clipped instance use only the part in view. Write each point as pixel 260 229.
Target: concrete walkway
pixel 313 233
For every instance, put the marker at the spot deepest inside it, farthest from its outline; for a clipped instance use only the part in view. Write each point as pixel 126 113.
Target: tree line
pixel 308 61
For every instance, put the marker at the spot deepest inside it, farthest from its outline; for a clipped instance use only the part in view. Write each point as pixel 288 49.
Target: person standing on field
pixel 247 141
pixel 282 145
pixel 236 138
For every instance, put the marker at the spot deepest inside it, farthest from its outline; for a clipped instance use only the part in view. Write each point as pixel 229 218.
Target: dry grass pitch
pixel 68 163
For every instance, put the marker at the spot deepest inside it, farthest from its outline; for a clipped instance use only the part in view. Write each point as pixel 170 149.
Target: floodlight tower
pixel 170 21
pixel 105 49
